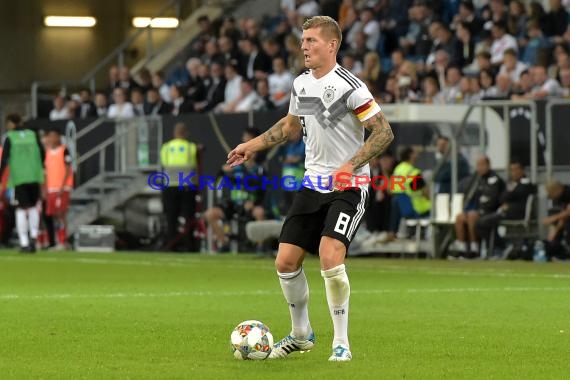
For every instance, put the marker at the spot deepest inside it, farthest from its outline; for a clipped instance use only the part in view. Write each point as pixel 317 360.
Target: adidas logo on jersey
pixel 303 92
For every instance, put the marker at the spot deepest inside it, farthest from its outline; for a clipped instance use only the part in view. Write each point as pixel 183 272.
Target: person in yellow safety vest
pixel 179 156
pixel 413 200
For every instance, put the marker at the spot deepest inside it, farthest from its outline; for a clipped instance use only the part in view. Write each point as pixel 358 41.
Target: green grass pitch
pixel 154 316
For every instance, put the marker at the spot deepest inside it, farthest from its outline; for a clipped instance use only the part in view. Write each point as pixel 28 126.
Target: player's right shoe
pixel 290 344
pixel 340 354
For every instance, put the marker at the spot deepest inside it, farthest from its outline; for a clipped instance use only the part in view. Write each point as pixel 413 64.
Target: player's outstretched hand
pixel 239 155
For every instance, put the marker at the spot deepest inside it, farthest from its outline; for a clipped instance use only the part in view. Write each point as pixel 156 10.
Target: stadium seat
pixel 518 230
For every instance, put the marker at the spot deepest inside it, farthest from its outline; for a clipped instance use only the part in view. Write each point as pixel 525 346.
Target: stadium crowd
pixel 423 51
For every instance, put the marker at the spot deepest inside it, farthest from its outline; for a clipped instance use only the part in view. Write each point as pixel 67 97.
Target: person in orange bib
pixel 59 182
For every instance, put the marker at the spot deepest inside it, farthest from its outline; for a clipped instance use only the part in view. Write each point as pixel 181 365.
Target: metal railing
pixel 89 79
pixel 453 149
pixel 136 144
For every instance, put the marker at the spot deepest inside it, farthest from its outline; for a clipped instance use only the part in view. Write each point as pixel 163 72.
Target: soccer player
pixel 330 106
pixel 24 152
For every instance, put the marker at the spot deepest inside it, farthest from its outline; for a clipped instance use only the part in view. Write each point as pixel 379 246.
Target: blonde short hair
pixel 327 24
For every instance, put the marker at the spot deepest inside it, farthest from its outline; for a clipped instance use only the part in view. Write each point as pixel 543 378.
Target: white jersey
pixel 331 111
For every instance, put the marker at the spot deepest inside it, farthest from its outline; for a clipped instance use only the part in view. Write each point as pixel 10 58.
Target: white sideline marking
pixel 273 293
pixel 191 262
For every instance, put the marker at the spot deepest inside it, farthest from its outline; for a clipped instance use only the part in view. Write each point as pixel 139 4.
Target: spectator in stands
pixel 137 100
pixel 228 50
pixel 59 183
pixel 272 49
pixel 154 104
pixel 101 104
pixel 443 177
pixel 451 91
pixel 565 82
pixel 371 28
pixel 482 197
pixel 180 103
pixel 60 110
pixel 280 83
pixel 351 63
pixel 466 45
pixel 502 41
pixel 417 41
pixel 512 201
pixel 443 39
pixel 411 201
pixel 498 14
pixel 194 87
pixel 561 60
pixel 295 56
pixel 543 87
pixel 214 90
pixel 87 108
pixel 178 155
pixel 537 13
pixel 536 44
pixel 211 53
pixel 557 19
pixel 121 108
pixel 233 86
pixel 430 91
pixel 160 84
pixel 73 105
pixel 247 100
pixel 113 78
pixel 255 63
pixel 372 74
pixel 125 81
pixel 558 219
pixel 502 90
pixel 517 19
pixel 511 66
pixel 524 86
pixel 229 29
pixel 487 82
pixel 262 89
pixel 145 80
pixel 468 18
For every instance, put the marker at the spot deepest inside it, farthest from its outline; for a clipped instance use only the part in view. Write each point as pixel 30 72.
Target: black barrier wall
pixel 231 127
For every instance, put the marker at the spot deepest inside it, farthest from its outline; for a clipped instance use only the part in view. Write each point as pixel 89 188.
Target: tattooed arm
pixel 277 134
pixel 380 138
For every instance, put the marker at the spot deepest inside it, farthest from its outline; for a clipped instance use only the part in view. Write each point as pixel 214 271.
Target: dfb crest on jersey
pixel 328 95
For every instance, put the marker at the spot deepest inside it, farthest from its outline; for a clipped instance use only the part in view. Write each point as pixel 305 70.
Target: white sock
pixel 34 219
pixel 338 293
pixel 22 227
pixel 474 247
pixel 296 291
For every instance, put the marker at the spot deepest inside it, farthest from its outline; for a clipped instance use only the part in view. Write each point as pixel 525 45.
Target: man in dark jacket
pixel 482 198
pixel 443 176
pixel 513 201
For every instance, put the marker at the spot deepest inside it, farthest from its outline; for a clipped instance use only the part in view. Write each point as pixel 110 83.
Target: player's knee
pixel 283 265
pixel 460 219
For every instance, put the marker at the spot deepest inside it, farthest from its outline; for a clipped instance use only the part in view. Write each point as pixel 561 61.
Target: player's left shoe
pixel 290 344
pixel 340 354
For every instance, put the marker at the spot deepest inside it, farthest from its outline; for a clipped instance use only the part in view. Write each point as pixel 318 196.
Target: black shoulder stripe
pixel 343 76
pixel 350 75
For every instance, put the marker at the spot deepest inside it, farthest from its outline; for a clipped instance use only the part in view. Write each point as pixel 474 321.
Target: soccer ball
pixel 251 340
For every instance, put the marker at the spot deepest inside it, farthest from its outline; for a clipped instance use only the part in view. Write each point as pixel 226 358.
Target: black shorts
pixel 26 195
pixel 337 214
